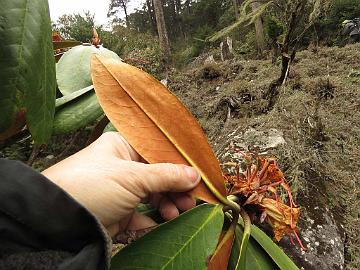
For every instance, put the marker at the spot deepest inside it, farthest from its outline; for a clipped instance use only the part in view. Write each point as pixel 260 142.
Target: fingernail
pixel 192 173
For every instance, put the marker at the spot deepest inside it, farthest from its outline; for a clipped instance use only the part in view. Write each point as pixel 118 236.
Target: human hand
pixel 108 179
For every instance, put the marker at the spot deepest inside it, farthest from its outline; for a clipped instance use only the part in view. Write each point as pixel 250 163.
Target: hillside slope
pixel 318 112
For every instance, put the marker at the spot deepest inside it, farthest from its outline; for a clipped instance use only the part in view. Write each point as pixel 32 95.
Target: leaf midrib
pixel 214 211
pixel 206 180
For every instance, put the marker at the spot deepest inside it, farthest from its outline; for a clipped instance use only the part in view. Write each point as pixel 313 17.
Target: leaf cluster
pixel 76 26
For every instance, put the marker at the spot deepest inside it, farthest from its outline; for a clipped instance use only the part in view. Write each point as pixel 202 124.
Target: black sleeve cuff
pixel 39 222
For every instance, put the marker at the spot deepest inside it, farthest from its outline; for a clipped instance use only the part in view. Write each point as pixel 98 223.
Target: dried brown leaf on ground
pixel 156 123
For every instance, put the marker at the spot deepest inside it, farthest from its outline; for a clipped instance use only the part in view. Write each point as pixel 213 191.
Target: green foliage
pixel 226 18
pixel 27 66
pixel 139 21
pixel 74 95
pixel 256 259
pixel 246 17
pixel 183 243
pixel 184 56
pixel 79 106
pixel 110 127
pixel 76 26
pixel 247 44
pixel 73 69
pixel 77 114
pixel 199 39
pixel 194 47
pixel 343 10
pixel 273 27
pixel 138 46
pixel 277 254
pixel 207 12
pixel 330 23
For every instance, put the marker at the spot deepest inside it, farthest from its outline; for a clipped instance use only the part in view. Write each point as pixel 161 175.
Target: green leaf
pixel 73 69
pixel 109 127
pixel 74 95
pixel 272 249
pixel 27 66
pixel 77 114
pixel 242 261
pixel 183 243
pixel 256 257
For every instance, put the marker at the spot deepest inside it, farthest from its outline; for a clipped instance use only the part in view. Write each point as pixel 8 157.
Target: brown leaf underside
pixel 220 259
pixel 154 121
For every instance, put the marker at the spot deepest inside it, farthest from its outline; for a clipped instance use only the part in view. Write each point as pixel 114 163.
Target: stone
pixel 320 233
pixel 164 82
pixel 209 60
pixel 250 140
pixel 226 49
pixel 318 227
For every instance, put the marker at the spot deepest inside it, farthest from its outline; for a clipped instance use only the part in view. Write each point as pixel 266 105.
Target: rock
pixel 318 229
pixel 199 60
pixel 164 82
pixel 322 236
pixel 226 49
pixel 209 60
pixel 250 140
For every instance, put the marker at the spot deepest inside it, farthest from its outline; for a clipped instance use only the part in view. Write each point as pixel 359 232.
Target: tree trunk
pixel 187 7
pixel 236 8
pixel 163 36
pixel 259 30
pixel 172 6
pixel 150 9
pixel 126 15
pixel 176 23
pixel 178 6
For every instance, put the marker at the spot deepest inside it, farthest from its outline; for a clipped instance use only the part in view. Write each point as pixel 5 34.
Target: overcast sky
pixel 97 7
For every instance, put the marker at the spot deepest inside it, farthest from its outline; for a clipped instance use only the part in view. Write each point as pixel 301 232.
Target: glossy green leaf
pixel 183 243
pixel 27 66
pixel 78 114
pixel 73 68
pixel 65 44
pixel 242 260
pixel 272 249
pixel 66 99
pixel 256 257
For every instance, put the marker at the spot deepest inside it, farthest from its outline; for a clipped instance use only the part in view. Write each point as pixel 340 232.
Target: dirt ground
pixel 318 110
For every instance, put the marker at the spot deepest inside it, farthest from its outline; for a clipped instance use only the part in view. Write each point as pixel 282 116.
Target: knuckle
pixel 174 174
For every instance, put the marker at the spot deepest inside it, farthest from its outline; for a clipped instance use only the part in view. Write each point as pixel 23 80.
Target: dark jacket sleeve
pixel 42 227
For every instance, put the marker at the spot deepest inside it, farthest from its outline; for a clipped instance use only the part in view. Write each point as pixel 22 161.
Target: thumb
pixel 165 177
